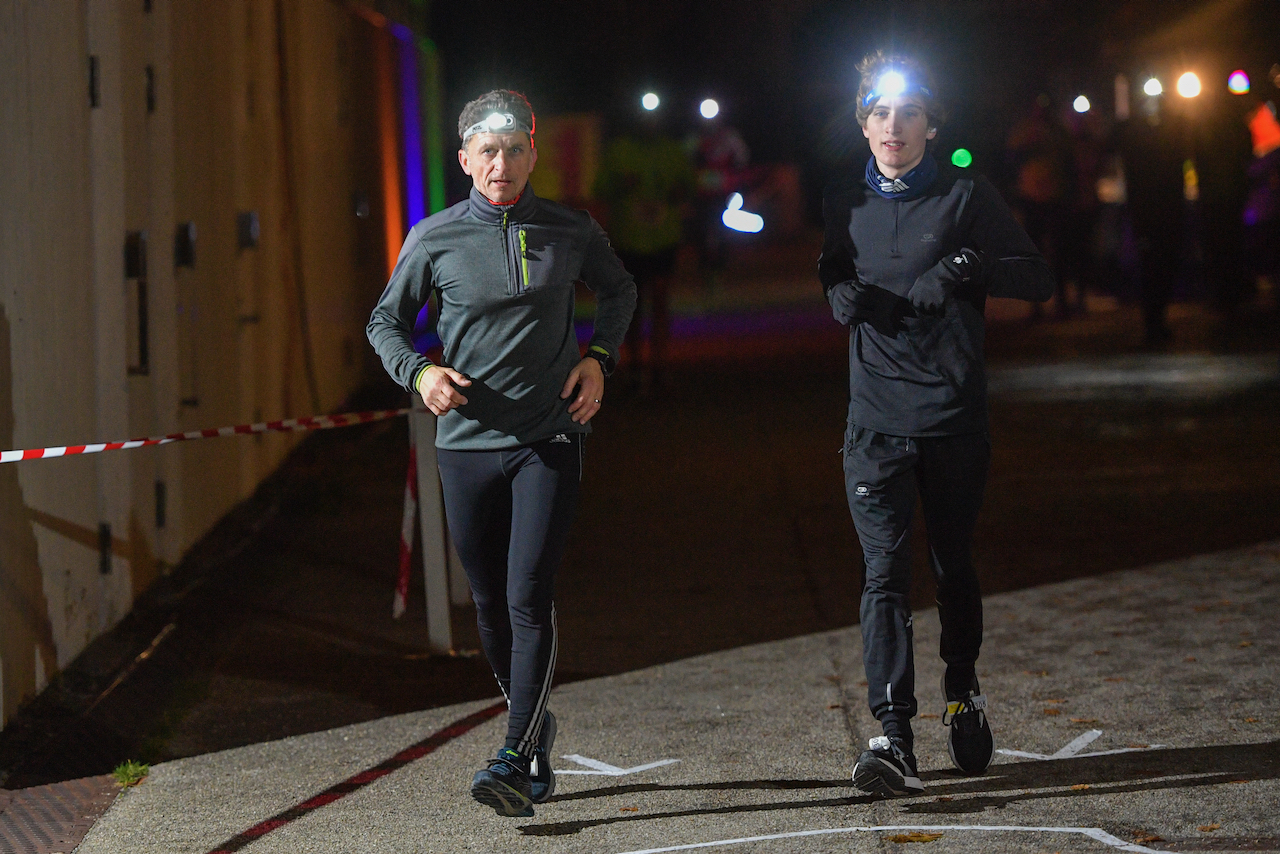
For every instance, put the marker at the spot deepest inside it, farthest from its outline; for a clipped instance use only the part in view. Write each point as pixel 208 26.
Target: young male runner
pixel 514 397
pixel 911 253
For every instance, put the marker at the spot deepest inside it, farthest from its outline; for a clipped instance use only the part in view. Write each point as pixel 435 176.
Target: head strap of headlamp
pixel 497 123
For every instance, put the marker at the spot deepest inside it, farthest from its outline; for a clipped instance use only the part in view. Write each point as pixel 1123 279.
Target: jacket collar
pixel 520 210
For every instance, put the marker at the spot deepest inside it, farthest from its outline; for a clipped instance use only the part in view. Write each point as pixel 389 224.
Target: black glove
pixel 852 303
pixel 935 285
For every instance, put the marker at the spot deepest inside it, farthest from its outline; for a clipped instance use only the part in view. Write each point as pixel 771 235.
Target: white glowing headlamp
pixel 891 84
pixel 497 123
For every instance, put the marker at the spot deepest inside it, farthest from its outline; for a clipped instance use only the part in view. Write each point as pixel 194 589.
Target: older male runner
pixel 514 396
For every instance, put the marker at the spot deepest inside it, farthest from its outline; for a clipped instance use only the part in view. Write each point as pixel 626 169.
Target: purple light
pixel 1238 82
pixel 411 126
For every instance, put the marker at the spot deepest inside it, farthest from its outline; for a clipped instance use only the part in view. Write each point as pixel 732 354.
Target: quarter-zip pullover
pixel 504 276
pixel 927 375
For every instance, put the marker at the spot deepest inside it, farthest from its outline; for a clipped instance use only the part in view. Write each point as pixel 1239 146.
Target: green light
pixel 962 158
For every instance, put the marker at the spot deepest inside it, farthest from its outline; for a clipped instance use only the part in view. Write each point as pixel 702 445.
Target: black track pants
pixel 883 475
pixel 509 514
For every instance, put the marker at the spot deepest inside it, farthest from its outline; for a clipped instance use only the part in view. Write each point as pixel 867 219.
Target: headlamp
pixel 891 84
pixel 497 123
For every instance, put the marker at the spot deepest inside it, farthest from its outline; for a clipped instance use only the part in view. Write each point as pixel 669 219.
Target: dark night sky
pixel 784 69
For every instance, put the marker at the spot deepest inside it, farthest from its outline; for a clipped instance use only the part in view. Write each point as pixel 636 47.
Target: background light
pixel 1152 87
pixel 709 108
pixel 1238 82
pixel 962 158
pixel 1189 85
pixel 649 101
pixel 739 220
pixel 1080 104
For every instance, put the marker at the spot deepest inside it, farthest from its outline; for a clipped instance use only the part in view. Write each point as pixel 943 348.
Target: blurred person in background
pixel 911 251
pixel 722 159
pixel 514 397
pixel 1223 153
pixel 646 182
pixel 1154 148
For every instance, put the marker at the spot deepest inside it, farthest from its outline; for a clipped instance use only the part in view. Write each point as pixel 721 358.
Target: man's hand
pixel 852 303
pixel 438 386
pixel 588 378
pixel 935 285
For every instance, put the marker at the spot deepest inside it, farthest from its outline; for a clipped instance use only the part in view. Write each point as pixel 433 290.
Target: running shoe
pixel 504 785
pixel 887 768
pixel 541 778
pixel 969 740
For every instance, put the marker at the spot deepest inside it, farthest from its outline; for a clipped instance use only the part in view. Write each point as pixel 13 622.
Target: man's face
pixel 897 131
pixel 499 164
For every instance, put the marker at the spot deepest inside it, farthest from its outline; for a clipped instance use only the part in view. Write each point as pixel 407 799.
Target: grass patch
pixel 130 773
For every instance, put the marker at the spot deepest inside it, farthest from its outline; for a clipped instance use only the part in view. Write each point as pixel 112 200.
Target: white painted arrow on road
pixel 1073 748
pixel 604 769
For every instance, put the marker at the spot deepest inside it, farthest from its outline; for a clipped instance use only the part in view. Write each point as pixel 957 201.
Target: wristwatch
pixel 601 355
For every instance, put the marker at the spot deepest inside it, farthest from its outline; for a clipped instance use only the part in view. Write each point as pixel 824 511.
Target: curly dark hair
pixel 497 101
pixel 918 76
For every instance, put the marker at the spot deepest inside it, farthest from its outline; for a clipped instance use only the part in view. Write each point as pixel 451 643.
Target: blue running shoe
pixel 504 785
pixel 542 779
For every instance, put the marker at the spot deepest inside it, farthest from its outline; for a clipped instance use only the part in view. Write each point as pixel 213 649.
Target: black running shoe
pixel 541 778
pixel 887 769
pixel 504 785
pixel 969 740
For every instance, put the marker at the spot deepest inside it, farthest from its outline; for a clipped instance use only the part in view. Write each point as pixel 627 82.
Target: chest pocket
pixel 547 259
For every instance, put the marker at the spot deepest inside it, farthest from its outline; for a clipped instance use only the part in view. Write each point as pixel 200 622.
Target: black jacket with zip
pixel 504 276
pixel 915 375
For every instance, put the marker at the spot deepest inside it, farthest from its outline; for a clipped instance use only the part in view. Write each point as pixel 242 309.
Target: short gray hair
pixel 497 101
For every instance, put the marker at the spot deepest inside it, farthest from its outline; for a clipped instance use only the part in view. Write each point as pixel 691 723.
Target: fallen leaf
pixel 915 836
pixel 1251 720
pixel 1243 644
pixel 1237 781
pixel 1136 746
pixel 1148 837
pixel 1202 608
pixel 1053 711
pixel 1115 679
pixel 834 706
pixel 629 809
pixel 1084 720
pixel 1208 827
pixel 863 683
pixel 835 680
pixel 1080 787
pixel 942 799
pixel 1102 652
pixel 930 717
pixel 1189 658
pixel 1036 672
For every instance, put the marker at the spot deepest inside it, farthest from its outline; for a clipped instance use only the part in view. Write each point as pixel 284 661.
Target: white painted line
pixel 1073 748
pixel 604 769
pixel 1078 744
pixel 1091 832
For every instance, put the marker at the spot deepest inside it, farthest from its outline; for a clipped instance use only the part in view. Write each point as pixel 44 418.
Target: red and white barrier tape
pixel 318 422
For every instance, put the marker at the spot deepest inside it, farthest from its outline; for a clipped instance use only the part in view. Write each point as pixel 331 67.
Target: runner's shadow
pixel 568 827
pixel 1082 776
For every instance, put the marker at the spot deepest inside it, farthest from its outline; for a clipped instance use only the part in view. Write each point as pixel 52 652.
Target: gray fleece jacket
pixel 504 276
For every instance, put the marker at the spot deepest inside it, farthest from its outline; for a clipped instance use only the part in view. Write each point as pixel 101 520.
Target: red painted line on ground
pixel 355 783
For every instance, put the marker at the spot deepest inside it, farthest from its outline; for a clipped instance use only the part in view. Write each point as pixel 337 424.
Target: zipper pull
pixel 524 259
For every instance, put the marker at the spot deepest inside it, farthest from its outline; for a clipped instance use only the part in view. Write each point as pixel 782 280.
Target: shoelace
pixel 958 709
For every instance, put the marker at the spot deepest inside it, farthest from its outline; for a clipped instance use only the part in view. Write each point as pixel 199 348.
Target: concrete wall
pixel 204 110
